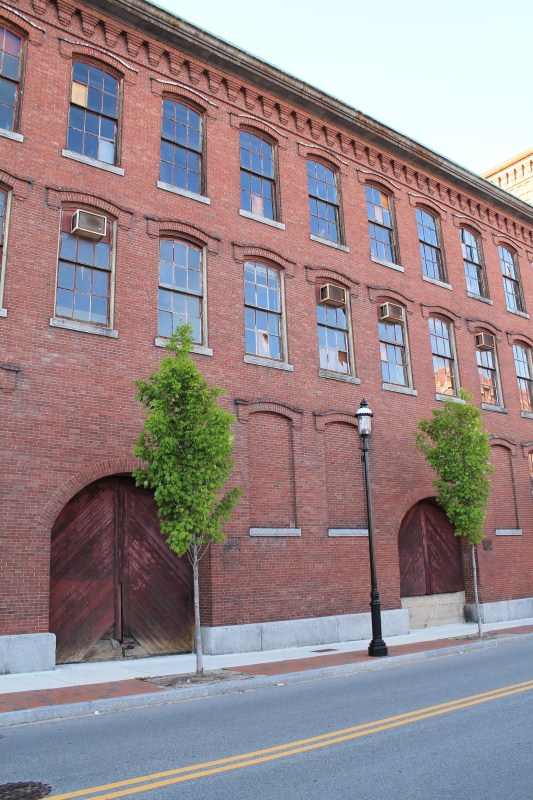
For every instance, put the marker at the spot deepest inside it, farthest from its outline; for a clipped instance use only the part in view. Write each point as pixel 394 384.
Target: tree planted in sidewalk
pixel 456 446
pixel 185 447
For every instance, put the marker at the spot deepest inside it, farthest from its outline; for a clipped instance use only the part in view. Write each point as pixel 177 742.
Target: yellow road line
pixel 291 748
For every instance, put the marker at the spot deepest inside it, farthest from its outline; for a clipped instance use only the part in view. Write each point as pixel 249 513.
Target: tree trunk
pixel 476 596
pixel 197 631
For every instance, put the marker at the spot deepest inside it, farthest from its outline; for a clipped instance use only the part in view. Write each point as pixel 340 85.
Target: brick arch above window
pixel 502 441
pixel 19 186
pixel 56 198
pixel 165 227
pixel 527 449
pixel 324 274
pixel 427 204
pixel 382 294
pixel 470 225
pixel 21 25
pixel 323 156
pixel 179 91
pixel 75 51
pixel 324 418
pixel 248 122
pixel 369 178
pixel 250 252
pixel 440 311
pixel 501 240
pixel 478 325
pixel 520 338
pixel 247 407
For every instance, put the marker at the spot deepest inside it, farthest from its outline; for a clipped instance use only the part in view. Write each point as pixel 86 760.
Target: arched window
pixel 443 352
pixel 263 309
pixel 381 225
pixel 523 361
pixel 514 299
pixel 324 207
pixel 93 115
pixel 258 176
pixel 430 245
pixel 487 368
pixel 476 283
pixel 10 61
pixel 333 329
pixel 393 344
pixel 181 147
pixel 181 288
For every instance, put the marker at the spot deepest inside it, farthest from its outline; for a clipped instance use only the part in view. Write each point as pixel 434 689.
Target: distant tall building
pixel 515 175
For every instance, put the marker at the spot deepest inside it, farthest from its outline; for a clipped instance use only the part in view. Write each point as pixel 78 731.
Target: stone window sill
pixel 497 409
pixel 388 264
pixel 275 531
pixel 338 376
pixel 16 137
pixel 329 243
pixel 347 532
pixel 167 187
pixel 508 532
pixel 436 282
pixel 267 362
pixel 161 341
pixel 272 222
pixel 452 397
pixel 392 387
pixel 3 312
pixel 83 327
pixel 92 162
pixel 518 313
pixel 481 299
pixel 526 414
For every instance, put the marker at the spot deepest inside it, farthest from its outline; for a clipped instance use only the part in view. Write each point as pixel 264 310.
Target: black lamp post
pixel 377 646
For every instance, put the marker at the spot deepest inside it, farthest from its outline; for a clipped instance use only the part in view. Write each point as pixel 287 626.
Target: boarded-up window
pixel 271 471
pixel 344 477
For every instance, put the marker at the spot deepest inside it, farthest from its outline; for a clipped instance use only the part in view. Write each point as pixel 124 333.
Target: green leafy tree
pixel 456 446
pixel 185 447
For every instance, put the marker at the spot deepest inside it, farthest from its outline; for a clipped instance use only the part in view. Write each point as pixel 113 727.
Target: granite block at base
pixel 502 610
pixel 27 652
pixel 299 632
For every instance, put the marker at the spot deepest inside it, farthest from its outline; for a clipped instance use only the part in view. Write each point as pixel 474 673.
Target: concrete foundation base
pixel 501 611
pixel 299 632
pixel 27 652
pixel 435 609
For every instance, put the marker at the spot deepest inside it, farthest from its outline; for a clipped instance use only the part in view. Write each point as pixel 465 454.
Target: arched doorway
pixel 430 554
pixel 113 577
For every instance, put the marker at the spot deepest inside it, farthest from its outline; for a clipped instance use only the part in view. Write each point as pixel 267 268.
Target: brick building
pixel 515 175
pixel 151 173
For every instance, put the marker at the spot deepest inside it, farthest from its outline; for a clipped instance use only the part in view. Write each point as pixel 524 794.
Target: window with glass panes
pixel 83 276
pixel 10 59
pixel 323 201
pixel 3 208
pixel 511 280
pixel 488 375
pixel 180 287
pixel 262 312
pixel 523 361
pixel 440 335
pixel 181 147
pixel 333 337
pixel 380 225
pixel 430 251
pixel 473 266
pixel 531 470
pixel 393 352
pixel 258 186
pixel 93 115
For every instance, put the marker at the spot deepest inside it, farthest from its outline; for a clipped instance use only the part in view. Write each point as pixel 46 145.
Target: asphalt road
pixel 455 727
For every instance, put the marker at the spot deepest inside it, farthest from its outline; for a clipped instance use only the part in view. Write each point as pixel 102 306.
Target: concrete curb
pixel 185 695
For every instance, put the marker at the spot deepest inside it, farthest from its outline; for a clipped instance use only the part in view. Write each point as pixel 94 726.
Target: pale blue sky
pixel 454 75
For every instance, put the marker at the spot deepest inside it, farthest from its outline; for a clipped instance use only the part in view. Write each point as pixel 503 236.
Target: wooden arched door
pixel 111 569
pixel 430 554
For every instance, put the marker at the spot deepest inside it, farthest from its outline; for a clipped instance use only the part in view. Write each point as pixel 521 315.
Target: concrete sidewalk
pixel 77 689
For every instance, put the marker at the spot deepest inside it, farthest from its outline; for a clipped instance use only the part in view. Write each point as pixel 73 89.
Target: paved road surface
pixel 459 726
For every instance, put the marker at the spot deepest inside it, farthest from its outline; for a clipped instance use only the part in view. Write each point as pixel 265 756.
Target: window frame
pixel 281 314
pixel 528 389
pixel 480 266
pixel 515 282
pixel 4 236
pixel 350 373
pixel 73 322
pixel 438 248
pixel 106 69
pixel 405 346
pixel 172 237
pixel 337 205
pixel 451 359
pixel 274 181
pixel 530 464
pixel 201 112
pixel 494 369
pixel 392 229
pixel 19 82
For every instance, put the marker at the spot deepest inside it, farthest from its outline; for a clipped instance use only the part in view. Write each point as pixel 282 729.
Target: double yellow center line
pixel 158 780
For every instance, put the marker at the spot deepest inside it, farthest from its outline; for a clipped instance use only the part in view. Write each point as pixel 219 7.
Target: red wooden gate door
pixel 430 554
pixel 111 570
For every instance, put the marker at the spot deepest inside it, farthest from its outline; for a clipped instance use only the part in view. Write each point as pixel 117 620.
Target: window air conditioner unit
pixel 92 226
pixel 332 295
pixel 484 341
pixel 390 312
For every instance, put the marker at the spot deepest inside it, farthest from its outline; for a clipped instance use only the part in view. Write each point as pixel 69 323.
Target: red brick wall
pixel 72 416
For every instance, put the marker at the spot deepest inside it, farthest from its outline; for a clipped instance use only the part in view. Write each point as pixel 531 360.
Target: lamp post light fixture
pixel 377 646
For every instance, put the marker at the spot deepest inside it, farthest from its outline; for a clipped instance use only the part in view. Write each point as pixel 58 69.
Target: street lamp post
pixel 377 646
